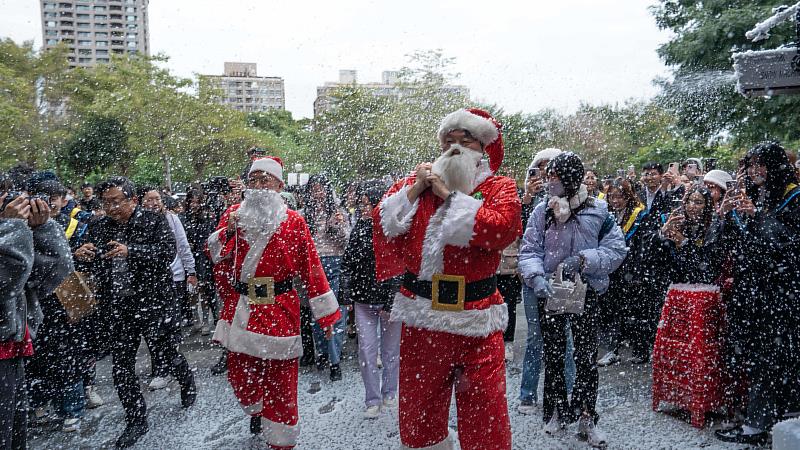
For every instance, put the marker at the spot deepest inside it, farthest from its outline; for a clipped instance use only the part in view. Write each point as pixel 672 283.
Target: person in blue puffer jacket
pixel 576 230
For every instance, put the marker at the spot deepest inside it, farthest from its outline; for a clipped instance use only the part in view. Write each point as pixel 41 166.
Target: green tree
pixel 702 96
pixel 100 143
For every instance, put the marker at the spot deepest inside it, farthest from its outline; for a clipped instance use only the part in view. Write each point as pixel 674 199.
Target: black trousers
pixel 132 319
pixel 510 288
pixel 645 305
pixel 584 337
pixel 306 331
pixel 169 329
pixel 13 405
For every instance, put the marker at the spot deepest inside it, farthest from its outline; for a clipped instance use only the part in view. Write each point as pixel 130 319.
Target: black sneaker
pixel 307 360
pixel 221 366
pixel 737 435
pixel 188 392
pixel 336 372
pixel 133 432
pixel 255 425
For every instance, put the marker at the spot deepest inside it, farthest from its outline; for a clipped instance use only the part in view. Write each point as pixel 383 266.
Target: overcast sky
pixel 523 55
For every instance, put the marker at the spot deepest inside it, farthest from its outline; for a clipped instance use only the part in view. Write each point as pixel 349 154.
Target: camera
pixel 534 172
pixel 217 185
pixel 10 196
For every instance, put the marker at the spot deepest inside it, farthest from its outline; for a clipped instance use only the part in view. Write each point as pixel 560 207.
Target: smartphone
pixel 620 173
pixel 691 169
pixel 677 204
pixel 731 185
pixel 533 173
pixel 710 164
pixel 673 168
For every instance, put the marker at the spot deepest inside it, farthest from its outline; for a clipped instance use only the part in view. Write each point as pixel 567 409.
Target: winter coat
pixel 764 312
pixel 32 264
pixel 698 260
pixel 546 245
pixel 357 282
pixel 151 251
pixel 198 228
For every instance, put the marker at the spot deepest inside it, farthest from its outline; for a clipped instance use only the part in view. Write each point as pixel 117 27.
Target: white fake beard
pixel 261 213
pixel 458 172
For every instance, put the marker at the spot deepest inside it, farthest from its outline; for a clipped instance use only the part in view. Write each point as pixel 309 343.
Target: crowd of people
pixel 425 272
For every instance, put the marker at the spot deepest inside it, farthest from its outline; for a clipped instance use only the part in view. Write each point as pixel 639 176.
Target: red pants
pixel 431 364
pixel 267 388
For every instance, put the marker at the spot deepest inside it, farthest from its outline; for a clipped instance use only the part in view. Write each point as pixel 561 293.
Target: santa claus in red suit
pixel 266 245
pixel 443 229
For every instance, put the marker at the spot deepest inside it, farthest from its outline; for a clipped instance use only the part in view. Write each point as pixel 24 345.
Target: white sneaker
pixel 509 351
pixel 158 383
pixel 554 426
pixel 526 407
pixel 608 359
pixel 389 402
pixel 589 431
pixel 93 399
pixel 205 330
pixel 372 412
pixel 71 425
pixel 40 416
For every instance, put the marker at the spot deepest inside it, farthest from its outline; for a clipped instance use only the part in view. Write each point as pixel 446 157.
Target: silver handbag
pixel 568 296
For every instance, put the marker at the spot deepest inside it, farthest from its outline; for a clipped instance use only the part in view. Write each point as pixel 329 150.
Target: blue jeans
pixel 532 364
pixel 73 401
pixel 332 348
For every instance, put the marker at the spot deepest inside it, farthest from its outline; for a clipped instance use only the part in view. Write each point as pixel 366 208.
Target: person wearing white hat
pixel 265 246
pixel 716 182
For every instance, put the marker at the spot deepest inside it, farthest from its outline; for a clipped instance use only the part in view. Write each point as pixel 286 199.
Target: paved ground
pixel 216 421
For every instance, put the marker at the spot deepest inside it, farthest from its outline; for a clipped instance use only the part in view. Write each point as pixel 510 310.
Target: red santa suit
pixel 263 340
pixel 439 350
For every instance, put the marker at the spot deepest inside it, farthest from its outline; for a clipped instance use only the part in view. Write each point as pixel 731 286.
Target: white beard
pixel 261 213
pixel 458 172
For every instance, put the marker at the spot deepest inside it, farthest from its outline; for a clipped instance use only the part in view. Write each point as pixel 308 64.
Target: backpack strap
pixel 792 191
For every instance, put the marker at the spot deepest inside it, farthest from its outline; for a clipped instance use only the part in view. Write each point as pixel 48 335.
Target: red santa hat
pixel 482 126
pixel 268 164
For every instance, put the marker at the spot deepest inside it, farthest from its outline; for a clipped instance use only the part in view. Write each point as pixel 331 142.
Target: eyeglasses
pixel 113 203
pixel 259 180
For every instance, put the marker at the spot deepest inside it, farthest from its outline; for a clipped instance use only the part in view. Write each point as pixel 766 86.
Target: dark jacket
pixel 357 282
pixel 764 312
pixel 151 250
pixel 698 260
pixel 198 228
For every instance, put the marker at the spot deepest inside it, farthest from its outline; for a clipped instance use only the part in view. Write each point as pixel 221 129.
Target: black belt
pixel 448 290
pixel 281 287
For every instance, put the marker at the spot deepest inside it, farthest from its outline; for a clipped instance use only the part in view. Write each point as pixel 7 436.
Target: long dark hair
pixel 309 204
pixel 780 172
pixel 708 208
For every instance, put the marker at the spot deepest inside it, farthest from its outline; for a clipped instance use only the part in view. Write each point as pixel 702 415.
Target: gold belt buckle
pixel 462 289
pixel 254 299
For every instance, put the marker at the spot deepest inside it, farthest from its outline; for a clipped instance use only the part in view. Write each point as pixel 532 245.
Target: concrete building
pixel 389 86
pixel 94 30
pixel 242 89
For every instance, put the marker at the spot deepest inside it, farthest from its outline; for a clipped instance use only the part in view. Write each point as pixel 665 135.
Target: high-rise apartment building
pixel 94 30
pixel 389 86
pixel 242 89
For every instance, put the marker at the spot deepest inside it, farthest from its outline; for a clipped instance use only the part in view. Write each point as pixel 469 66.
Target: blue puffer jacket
pixel 542 251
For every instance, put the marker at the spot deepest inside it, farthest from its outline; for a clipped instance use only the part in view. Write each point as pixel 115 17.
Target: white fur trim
pixel 215 246
pixel 323 305
pixel 235 337
pixel 546 154
pixel 252 409
pixel 479 127
pixel 280 434
pixel 458 225
pixel 267 165
pixel 698 287
pixel 432 260
pixel 397 213
pixel 447 443
pixel 417 313
pixel 484 172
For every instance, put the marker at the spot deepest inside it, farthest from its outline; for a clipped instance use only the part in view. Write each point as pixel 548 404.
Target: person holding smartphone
pixel 718 182
pixel 762 220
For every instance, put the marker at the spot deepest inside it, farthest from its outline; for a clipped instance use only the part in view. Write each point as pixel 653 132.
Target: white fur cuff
pixel 458 226
pixel 397 213
pixel 474 322
pixel 323 305
pixel 215 246
pixel 447 443
pixel 280 434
